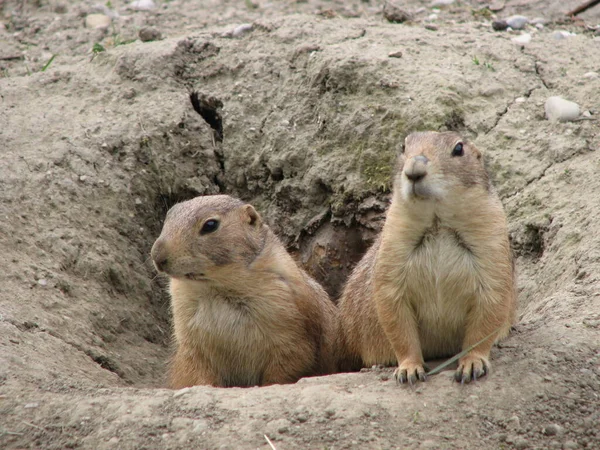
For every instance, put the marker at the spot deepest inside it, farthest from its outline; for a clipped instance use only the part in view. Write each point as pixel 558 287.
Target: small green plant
pixel 489 66
pixel 250 4
pixel 475 60
pixel 48 63
pixel 98 48
pixel 109 4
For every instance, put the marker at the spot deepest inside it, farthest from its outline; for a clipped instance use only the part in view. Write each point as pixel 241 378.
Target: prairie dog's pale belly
pixel 441 285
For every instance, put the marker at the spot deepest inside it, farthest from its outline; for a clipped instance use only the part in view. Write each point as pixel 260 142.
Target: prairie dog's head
pixel 202 236
pixel 433 165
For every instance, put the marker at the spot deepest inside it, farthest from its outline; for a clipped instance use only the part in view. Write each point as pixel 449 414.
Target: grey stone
pixel 553 430
pixel 97 21
pixel 560 110
pixel 148 34
pixel 517 22
pixel 395 14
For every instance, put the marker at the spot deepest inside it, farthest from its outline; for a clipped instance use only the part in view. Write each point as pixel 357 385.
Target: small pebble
pixel 559 35
pixel 591 75
pixel 431 26
pixel 517 22
pixel 499 25
pixel 97 21
pixel 587 114
pixel 553 430
pixel 397 54
pixel 82 178
pixel 395 14
pixel 513 423
pixel 31 405
pixel 138 201
pixel 432 17
pixel 438 3
pixel 142 5
pixel 41 282
pixel 148 34
pixel 561 110
pixel 522 39
pixel 539 26
pixel 521 443
pixel 241 30
pixel 520 100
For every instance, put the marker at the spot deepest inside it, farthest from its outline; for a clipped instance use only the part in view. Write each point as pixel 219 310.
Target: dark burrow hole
pixel 208 106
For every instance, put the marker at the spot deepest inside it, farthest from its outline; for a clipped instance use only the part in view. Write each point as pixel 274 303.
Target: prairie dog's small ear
pixel 252 217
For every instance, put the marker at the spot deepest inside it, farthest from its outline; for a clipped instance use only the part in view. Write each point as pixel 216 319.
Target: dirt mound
pixel 316 96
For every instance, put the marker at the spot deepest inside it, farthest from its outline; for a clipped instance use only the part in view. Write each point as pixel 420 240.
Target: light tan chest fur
pixel 440 260
pixel 234 337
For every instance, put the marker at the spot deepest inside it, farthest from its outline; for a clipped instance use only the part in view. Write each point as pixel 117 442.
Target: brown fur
pixel 244 313
pixel 440 276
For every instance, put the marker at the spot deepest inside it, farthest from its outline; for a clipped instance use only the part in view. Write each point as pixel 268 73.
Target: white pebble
pixel 586 114
pixel 32 405
pixel 41 282
pixel 441 2
pixel 432 17
pixel 517 22
pixel 242 30
pixel 82 178
pixel 561 110
pixel 97 21
pixel 142 5
pixel 138 201
pixel 558 35
pixel 539 26
pixel 522 39
pixel 520 100
pixel 591 75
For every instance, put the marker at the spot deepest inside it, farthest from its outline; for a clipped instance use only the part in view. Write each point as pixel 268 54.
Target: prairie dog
pixel 244 313
pixel 440 276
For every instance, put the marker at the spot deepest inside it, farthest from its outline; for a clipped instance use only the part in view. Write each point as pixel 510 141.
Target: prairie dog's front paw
pixel 471 367
pixel 410 372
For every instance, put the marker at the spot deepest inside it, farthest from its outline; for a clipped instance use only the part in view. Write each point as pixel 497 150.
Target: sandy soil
pixel 97 146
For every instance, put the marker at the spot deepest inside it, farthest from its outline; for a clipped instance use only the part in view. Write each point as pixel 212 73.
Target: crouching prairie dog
pixel 440 276
pixel 244 313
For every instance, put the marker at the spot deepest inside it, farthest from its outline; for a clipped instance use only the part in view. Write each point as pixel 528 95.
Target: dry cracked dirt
pixel 99 141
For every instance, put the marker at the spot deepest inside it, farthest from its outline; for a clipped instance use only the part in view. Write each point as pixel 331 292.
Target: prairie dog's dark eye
pixel 458 150
pixel 209 226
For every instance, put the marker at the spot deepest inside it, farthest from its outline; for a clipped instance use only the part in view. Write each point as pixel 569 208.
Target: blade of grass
pixel 48 63
pixel 269 442
pixel 445 364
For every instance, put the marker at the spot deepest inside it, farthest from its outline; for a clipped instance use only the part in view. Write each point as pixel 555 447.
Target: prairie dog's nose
pixel 416 168
pixel 159 256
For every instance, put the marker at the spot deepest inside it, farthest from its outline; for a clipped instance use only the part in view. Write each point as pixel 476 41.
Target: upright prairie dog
pixel 244 313
pixel 440 276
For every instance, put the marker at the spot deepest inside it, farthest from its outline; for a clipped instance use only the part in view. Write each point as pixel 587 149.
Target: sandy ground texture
pixel 99 141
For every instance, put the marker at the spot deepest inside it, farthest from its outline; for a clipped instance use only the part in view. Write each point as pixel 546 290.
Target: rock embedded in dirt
pixel 242 30
pixel 148 34
pixel 553 430
pixel 97 21
pixel 560 110
pixel 517 22
pixel 396 54
pixel 591 75
pixel 521 443
pixel 395 14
